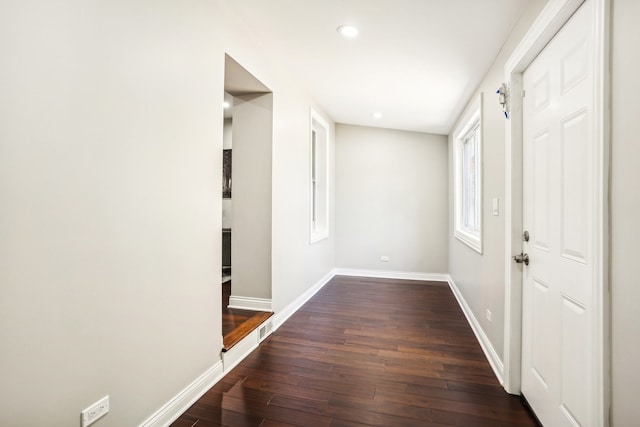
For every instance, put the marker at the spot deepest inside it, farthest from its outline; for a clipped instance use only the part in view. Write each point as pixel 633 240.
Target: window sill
pixel 472 241
pixel 316 237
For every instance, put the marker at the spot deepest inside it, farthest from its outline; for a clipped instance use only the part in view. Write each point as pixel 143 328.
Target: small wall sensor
pixel 503 99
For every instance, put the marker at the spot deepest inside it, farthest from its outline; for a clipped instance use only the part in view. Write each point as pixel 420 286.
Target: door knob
pixel 521 259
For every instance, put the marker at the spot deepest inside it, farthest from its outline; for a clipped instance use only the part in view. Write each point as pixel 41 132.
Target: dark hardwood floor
pixel 365 352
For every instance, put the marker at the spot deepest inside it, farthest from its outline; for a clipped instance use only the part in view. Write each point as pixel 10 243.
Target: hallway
pixel 365 352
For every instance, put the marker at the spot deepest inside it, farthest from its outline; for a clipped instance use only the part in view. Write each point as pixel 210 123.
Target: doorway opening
pixel 246 203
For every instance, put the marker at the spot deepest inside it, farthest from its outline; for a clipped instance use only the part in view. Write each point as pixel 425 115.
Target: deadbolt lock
pixel 525 236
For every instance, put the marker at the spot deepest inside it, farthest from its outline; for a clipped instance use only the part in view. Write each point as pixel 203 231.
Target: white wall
pixel 625 209
pixel 227 134
pixel 110 177
pixel 251 191
pixel 109 221
pixel 391 199
pixel 296 265
pixel 480 277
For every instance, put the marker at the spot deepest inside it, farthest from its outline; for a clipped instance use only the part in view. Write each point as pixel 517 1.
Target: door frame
pixel 552 18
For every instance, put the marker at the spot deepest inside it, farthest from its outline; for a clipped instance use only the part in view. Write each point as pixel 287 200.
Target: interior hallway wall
pixel 110 175
pixel 111 131
pixel 480 277
pixel 391 200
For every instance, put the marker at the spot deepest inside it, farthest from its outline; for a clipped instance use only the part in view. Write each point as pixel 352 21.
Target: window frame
pixel 318 177
pixel 470 126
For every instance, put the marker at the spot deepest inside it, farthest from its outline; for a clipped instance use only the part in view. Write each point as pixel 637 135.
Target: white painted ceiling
pixel 415 61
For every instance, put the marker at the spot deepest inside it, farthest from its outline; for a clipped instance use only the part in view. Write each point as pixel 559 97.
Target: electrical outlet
pixel 384 258
pixel 95 411
pixel 489 315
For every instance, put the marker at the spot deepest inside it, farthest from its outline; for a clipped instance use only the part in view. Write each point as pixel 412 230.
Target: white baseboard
pixel 384 274
pixel 175 407
pixel 170 411
pixel 239 351
pixel 249 303
pixel 281 317
pixel 487 348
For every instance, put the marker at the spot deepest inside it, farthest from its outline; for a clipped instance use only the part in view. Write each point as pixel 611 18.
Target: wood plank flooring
pixel 232 317
pixel 365 352
pixel 237 323
pixel 244 329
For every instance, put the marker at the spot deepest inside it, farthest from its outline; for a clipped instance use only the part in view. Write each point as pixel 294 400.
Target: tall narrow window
pixel 468 178
pixel 319 180
pixel 314 182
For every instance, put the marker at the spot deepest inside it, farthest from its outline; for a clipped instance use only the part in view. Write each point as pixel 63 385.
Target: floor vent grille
pixel 265 330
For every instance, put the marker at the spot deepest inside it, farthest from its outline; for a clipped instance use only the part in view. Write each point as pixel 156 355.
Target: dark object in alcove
pixel 226 252
pixel 226 174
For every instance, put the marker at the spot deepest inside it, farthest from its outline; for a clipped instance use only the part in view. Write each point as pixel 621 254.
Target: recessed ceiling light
pixel 226 104
pixel 348 31
pixel 377 115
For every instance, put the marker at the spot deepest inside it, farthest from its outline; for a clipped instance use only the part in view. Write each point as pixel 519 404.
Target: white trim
pixel 240 350
pixel 602 111
pixel 383 274
pixel 249 303
pixel 170 411
pixel 553 17
pixel 555 14
pixel 485 343
pixel 280 317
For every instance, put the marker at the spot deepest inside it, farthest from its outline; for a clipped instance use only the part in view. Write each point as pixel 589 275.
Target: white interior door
pixel 558 212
